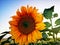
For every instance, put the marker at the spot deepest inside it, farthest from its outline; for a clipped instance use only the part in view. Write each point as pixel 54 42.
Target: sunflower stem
pixel 52 28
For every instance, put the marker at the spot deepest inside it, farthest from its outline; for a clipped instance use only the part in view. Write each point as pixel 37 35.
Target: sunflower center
pixel 25 24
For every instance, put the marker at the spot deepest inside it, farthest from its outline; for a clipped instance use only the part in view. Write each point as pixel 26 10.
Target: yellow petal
pixel 18 12
pixel 40 26
pixel 39 34
pixel 29 38
pixel 13 23
pixel 23 10
pixel 29 10
pixel 38 17
pixel 34 36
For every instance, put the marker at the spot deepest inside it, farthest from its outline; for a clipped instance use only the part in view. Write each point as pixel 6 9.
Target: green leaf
pixel 48 12
pixel 45 30
pixel 38 43
pixel 55 15
pixel 14 44
pixel 56 30
pixel 2 43
pixel 2 36
pixel 31 44
pixel 6 32
pixel 9 39
pixel 50 34
pixel 44 35
pixel 57 22
pixel 47 24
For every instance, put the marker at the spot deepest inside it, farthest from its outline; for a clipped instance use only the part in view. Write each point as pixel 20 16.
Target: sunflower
pixel 25 25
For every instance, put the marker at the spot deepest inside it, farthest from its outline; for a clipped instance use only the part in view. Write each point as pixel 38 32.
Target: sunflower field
pixel 27 27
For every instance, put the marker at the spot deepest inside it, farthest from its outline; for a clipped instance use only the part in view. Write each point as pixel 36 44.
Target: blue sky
pixel 9 7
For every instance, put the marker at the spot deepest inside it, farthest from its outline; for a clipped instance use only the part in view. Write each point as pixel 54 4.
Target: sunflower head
pixel 25 25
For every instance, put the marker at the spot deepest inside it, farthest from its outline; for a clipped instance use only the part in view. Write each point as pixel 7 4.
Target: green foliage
pixel 4 33
pixel 56 30
pixel 47 24
pixel 57 22
pixel 35 44
pixel 38 44
pixel 8 40
pixel 50 34
pixel 31 43
pixel 48 12
pixel 45 30
pixel 44 35
pixel 2 43
pixel 2 36
pixel 55 15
